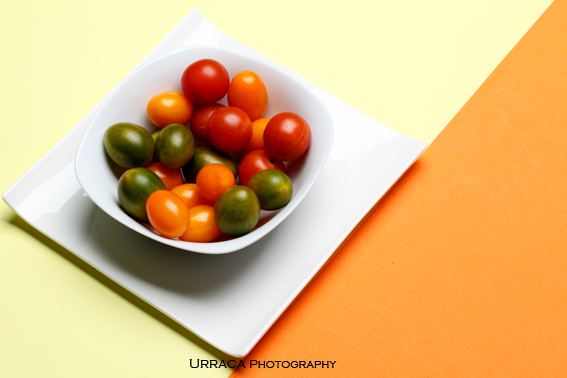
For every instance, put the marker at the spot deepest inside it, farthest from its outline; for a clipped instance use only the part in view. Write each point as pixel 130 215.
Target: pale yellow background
pixel 409 64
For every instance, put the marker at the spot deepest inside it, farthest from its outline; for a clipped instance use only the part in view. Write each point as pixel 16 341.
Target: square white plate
pixel 231 300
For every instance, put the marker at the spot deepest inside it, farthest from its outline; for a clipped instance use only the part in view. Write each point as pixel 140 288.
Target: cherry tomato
pixel 168 214
pixel 257 140
pixel 287 136
pixel 202 227
pixel 255 162
pixel 229 129
pixel 205 81
pixel 169 107
pixel 213 180
pixel 247 92
pixel 191 195
pixel 199 122
pixel 171 177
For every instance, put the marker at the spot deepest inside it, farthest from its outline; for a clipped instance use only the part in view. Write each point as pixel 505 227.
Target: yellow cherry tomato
pixel 169 107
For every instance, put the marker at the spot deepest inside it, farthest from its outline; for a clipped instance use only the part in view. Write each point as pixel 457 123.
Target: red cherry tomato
pixel 213 180
pixel 169 107
pixel 287 136
pixel 199 122
pixel 255 162
pixel 168 213
pixel 247 92
pixel 229 129
pixel 171 177
pixel 205 81
pixel 202 227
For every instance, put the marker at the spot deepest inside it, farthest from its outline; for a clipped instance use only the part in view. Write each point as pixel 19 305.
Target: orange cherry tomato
pixel 168 213
pixel 191 195
pixel 169 107
pixel 255 162
pixel 213 180
pixel 170 177
pixel 247 92
pixel 202 227
pixel 257 140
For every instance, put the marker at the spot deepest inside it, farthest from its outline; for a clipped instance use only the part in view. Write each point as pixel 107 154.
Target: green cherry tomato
pixel 175 145
pixel 237 211
pixel 134 188
pixel 273 188
pixel 205 156
pixel 129 145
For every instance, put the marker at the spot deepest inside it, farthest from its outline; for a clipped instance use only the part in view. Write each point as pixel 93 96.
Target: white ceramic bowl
pixel 98 175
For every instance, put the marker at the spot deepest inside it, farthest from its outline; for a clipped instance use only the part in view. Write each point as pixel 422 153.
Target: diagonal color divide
pixel 117 332
pixel 462 269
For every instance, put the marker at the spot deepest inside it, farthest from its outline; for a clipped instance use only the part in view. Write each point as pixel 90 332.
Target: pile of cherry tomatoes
pixel 183 178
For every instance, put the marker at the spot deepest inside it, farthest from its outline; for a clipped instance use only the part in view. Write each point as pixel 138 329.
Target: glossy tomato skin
pixel 247 92
pixel 171 177
pixel 175 145
pixel 237 211
pixel 168 214
pixel 255 162
pixel 205 156
pixel 257 140
pixel 273 188
pixel 229 129
pixel 191 195
pixel 213 180
pixel 287 136
pixel 169 107
pixel 199 122
pixel 135 186
pixel 205 81
pixel 129 145
pixel 202 227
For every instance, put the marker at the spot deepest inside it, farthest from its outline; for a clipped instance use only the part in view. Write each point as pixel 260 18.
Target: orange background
pixel 461 270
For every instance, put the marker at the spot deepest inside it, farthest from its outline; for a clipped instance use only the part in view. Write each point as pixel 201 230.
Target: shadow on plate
pixel 175 270
pixel 127 295
pixel 119 251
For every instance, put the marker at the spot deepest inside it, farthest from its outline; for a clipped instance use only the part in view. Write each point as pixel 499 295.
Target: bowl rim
pixel 266 228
